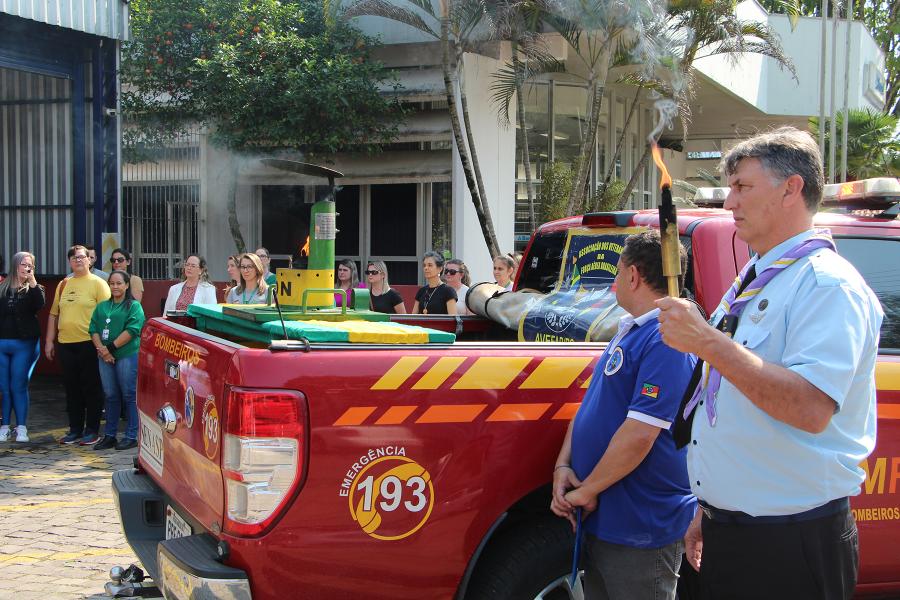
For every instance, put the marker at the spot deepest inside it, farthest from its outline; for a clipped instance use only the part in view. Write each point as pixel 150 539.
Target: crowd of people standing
pixel 93 329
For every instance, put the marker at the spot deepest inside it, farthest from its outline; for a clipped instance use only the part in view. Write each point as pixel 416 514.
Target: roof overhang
pixel 104 18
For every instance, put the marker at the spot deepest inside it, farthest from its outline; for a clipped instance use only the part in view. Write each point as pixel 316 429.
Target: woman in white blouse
pixel 195 287
pixel 456 274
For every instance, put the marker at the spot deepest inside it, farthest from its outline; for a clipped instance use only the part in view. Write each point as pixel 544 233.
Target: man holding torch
pixel 618 462
pixel 784 408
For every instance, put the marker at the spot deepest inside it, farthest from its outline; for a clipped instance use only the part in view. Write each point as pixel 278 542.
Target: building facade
pixel 59 126
pixel 413 197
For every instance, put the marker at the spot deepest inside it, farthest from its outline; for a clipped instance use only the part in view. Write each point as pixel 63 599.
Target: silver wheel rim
pixel 561 584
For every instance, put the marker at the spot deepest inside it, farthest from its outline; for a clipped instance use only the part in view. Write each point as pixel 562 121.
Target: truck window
pixel 540 270
pixel 877 259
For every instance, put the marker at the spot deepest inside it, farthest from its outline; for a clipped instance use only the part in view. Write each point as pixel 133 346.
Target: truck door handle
pixel 168 418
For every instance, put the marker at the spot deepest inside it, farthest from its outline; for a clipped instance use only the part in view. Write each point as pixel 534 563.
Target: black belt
pixel 741 518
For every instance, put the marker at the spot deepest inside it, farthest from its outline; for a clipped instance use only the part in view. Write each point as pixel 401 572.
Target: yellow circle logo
pixel 210 422
pixel 391 498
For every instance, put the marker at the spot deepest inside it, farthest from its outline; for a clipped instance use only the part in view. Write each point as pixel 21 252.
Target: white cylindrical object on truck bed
pixel 496 303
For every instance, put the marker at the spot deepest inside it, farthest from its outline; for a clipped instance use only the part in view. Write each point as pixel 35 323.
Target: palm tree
pixel 873 147
pixel 703 29
pixel 520 23
pixel 459 27
pixel 600 32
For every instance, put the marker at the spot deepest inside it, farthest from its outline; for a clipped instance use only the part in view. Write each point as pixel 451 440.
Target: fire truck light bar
pixel 878 191
pixel 875 193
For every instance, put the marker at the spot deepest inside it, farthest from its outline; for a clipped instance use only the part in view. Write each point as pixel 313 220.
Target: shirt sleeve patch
pixel 650 390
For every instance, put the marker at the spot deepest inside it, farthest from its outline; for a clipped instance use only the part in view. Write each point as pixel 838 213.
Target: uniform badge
pixel 615 361
pixel 762 304
pixel 756 317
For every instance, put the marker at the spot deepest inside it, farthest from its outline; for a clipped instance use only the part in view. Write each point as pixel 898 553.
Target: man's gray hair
pixel 783 152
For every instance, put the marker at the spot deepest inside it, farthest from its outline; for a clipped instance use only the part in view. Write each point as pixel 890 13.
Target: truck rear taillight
pixel 263 450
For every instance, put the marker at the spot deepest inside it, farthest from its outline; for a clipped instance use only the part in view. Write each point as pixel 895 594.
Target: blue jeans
pixel 119 384
pixel 17 360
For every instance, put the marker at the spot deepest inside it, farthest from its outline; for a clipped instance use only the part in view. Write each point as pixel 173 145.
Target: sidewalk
pixel 59 528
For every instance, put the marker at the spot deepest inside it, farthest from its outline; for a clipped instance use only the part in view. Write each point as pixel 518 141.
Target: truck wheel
pixel 531 561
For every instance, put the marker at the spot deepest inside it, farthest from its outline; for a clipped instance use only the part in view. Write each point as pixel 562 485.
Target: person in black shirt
pixel 384 299
pixel 436 297
pixel 20 299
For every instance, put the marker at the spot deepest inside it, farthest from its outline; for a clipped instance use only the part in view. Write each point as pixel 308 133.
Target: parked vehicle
pixel 374 470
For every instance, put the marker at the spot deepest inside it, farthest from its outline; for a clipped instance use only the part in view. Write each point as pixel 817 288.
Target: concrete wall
pixel 496 146
pixel 761 82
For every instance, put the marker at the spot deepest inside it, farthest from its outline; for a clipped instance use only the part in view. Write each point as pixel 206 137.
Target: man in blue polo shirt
pixel 618 461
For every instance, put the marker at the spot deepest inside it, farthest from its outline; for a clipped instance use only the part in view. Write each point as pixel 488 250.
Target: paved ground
pixel 59 529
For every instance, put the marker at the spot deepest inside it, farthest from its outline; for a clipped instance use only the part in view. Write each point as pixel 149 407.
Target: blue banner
pixel 582 307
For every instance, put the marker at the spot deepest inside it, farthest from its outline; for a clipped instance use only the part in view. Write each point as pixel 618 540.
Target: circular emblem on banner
pixel 189 410
pixel 210 423
pixel 614 363
pixel 391 498
pixel 558 318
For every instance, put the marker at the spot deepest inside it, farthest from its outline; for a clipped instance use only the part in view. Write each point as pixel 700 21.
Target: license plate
pixel 151 448
pixel 176 527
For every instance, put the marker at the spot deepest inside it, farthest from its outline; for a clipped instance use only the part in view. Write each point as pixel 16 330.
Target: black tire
pixel 523 561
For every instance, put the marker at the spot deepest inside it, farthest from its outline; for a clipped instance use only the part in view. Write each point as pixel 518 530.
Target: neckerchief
pixel 734 306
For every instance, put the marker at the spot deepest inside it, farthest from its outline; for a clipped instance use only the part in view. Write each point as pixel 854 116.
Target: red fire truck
pixel 367 469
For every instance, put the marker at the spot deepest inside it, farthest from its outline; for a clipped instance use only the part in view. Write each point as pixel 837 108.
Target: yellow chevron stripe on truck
pixel 487 373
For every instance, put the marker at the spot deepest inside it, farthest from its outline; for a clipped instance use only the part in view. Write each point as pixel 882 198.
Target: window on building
pixel 647 177
pixel 160 226
pixel 442 217
pixel 393 230
pixel 570 124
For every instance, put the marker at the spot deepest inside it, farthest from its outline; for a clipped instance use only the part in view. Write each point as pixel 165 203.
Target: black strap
pixel 681 428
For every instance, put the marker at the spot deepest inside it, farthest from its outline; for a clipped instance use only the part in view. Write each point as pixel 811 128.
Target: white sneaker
pixel 4 433
pixel 21 433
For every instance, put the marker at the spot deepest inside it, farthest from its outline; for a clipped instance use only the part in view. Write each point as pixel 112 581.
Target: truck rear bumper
pixel 185 568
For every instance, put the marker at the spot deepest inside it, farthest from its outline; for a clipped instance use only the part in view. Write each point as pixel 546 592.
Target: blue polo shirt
pixel 637 377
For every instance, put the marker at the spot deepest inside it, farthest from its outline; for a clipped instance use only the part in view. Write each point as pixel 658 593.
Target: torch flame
pixel 304 250
pixel 665 179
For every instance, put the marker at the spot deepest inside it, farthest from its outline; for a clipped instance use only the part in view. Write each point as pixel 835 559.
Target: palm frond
pixel 386 10
pixel 509 77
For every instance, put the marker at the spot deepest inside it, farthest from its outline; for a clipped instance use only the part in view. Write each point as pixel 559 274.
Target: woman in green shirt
pixel 116 332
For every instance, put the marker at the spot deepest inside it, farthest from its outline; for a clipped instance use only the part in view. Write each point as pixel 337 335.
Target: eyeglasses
pixel 247 267
pixel 451 271
pixel 195 266
pixel 117 260
pixel 372 272
pixel 78 257
pixel 262 255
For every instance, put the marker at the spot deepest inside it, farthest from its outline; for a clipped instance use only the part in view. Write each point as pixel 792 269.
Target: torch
pixel 668 227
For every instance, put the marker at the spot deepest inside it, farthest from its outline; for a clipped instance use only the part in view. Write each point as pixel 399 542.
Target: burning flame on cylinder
pixel 304 250
pixel 665 179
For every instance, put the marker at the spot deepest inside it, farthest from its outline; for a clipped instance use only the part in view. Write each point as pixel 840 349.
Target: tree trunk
pixel 229 176
pixel 589 143
pixel 617 151
pixel 634 178
pixel 473 152
pixel 526 155
pixel 487 228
